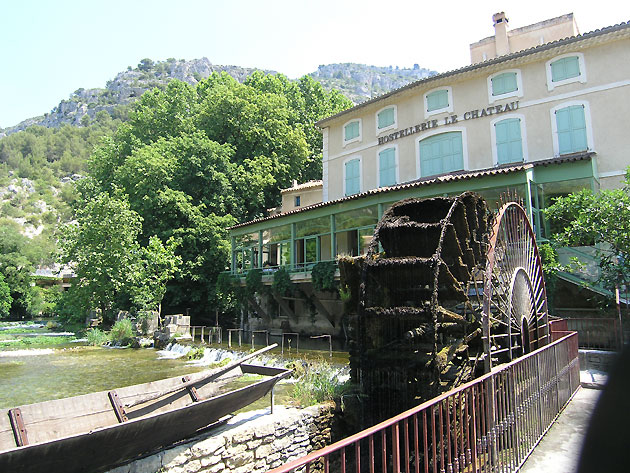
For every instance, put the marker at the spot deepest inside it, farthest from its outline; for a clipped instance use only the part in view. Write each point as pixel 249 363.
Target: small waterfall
pixel 173 351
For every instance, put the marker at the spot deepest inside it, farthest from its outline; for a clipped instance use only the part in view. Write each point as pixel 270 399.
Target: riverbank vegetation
pixel 317 382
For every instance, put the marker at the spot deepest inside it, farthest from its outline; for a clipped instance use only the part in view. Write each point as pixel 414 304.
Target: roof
pixel 481 65
pixel 303 186
pixel 427 181
pixel 566 18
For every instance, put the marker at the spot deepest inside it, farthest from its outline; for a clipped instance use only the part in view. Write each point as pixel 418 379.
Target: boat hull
pixel 106 447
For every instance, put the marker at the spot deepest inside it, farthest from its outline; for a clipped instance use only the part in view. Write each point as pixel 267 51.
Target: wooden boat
pixel 95 432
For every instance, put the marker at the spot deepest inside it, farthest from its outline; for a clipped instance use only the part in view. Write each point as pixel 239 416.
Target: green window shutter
pixel 571 126
pixel 504 83
pixel 386 118
pixel 565 68
pixel 351 131
pixel 387 167
pixel 509 142
pixel 441 154
pixel 437 100
pixel 353 177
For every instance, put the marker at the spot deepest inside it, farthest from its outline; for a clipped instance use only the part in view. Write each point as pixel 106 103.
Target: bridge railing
pixel 490 424
pixel 597 333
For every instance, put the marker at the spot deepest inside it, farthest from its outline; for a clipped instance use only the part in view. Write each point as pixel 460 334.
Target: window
pixel 441 153
pixel 437 100
pixel 571 129
pixel 509 144
pixel 386 119
pixel 352 131
pixel 352 176
pixel 565 70
pixel 505 84
pixel 387 167
pixel 297 201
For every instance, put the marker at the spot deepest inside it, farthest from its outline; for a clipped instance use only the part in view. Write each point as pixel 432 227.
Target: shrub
pixel 196 353
pixel 323 274
pixel 122 332
pixel 318 382
pixel 282 282
pixel 97 337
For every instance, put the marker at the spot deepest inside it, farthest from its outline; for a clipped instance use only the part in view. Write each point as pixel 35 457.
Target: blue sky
pixel 48 49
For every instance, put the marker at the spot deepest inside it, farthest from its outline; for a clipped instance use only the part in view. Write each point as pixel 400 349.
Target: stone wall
pixel 254 441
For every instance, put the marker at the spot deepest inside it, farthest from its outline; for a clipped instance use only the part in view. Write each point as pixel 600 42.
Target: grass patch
pixel 35 342
pixel 317 382
pixel 122 332
pixel 96 337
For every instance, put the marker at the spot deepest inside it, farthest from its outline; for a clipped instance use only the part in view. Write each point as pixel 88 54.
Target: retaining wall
pixel 254 441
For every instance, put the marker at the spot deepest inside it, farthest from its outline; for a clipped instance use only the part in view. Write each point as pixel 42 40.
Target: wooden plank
pixel 17 424
pixel 119 410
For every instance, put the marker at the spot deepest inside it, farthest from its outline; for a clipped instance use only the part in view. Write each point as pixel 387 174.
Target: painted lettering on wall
pixel 451 119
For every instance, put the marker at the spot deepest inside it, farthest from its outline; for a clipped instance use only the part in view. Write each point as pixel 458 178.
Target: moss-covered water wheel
pixel 419 325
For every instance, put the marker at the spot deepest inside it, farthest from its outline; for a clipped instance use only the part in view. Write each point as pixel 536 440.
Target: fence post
pixel 539 396
pixel 555 364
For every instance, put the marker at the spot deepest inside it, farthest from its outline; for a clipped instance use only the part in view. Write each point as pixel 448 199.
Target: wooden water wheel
pixel 515 313
pixel 437 275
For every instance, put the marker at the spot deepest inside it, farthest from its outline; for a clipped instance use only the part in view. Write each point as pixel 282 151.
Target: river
pixel 39 374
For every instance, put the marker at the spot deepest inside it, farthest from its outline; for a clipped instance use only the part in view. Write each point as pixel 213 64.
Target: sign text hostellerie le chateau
pixel 451 119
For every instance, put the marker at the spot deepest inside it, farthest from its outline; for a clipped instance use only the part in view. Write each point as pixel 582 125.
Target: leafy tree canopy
pixel 193 160
pixel 602 218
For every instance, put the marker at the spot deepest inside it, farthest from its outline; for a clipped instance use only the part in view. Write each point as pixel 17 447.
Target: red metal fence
pixel 597 333
pixel 488 425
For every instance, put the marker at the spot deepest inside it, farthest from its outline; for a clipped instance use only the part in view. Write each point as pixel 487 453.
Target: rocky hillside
pixel 357 81
pixel 83 105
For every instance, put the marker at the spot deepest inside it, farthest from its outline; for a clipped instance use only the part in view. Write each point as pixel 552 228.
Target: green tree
pixel 103 249
pixel 158 263
pixel 193 160
pixel 602 218
pixel 18 258
pixel 5 298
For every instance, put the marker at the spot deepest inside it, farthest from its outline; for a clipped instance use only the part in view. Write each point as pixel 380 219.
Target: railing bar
pixel 406 435
pixel 371 452
pixel 473 425
pixel 433 439
pixel 448 437
pixel 462 452
pixel 396 447
pixel 485 441
pixel 383 451
pixel 499 430
pixel 357 456
pixel 343 460
pixel 426 441
pixel 441 420
pixel 509 418
pixel 416 442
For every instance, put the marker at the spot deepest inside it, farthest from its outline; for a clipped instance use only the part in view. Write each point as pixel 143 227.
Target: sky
pixel 48 49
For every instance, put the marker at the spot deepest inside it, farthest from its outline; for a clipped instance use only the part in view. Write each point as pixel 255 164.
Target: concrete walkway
pixel 559 450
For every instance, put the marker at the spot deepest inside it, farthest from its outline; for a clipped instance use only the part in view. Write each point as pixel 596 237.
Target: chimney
pixel 500 33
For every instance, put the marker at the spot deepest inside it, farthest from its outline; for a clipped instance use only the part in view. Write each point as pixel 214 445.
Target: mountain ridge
pixel 358 82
